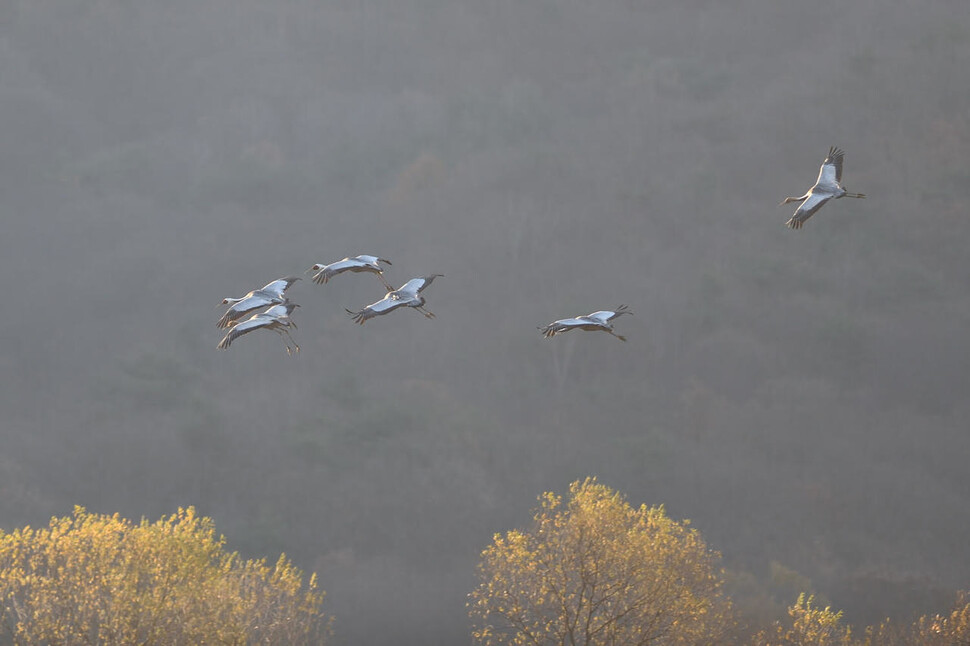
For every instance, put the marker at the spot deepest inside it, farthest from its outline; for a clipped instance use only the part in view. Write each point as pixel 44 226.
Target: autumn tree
pixel 950 629
pixel 96 579
pixel 810 626
pixel 594 570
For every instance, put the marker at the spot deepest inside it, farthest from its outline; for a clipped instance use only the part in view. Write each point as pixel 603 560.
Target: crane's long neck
pixel 796 199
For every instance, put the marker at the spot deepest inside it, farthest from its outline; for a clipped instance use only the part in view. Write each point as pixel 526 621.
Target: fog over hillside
pixel 799 395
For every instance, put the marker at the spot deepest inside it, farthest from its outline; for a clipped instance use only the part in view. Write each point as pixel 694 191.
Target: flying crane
pixel 276 318
pixel 357 264
pixel 828 186
pixel 600 320
pixel 271 294
pixel 407 295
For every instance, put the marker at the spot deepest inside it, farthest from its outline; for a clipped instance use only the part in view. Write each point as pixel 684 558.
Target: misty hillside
pixel 799 395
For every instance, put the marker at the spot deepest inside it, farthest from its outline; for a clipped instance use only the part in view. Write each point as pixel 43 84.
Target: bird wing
pixel 562 325
pixel 279 286
pixel 412 287
pixel 281 310
pixel 609 315
pixel 807 208
pixel 601 316
pixel 356 264
pixel 247 326
pixel 417 285
pixel 371 260
pixel 236 311
pixel 830 174
pixel 342 265
pixel 381 307
pixel 322 276
pixel 329 271
pixel 386 305
pixel 426 281
pixel 596 322
pixel 622 309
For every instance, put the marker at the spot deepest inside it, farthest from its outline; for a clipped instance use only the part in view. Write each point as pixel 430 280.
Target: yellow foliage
pixel 594 570
pixel 96 579
pixel 811 626
pixel 951 629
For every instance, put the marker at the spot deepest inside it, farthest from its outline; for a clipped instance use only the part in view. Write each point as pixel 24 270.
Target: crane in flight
pixel 271 294
pixel 828 186
pixel 276 318
pixel 357 264
pixel 407 295
pixel 599 320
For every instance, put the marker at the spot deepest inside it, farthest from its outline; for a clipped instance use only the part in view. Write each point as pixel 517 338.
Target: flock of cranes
pixel 279 308
pixel 278 315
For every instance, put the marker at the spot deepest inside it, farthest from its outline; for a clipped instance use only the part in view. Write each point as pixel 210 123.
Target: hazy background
pixel 800 395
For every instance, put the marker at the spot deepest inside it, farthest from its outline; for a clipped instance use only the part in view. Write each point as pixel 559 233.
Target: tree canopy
pixel 594 570
pixel 809 625
pixel 98 579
